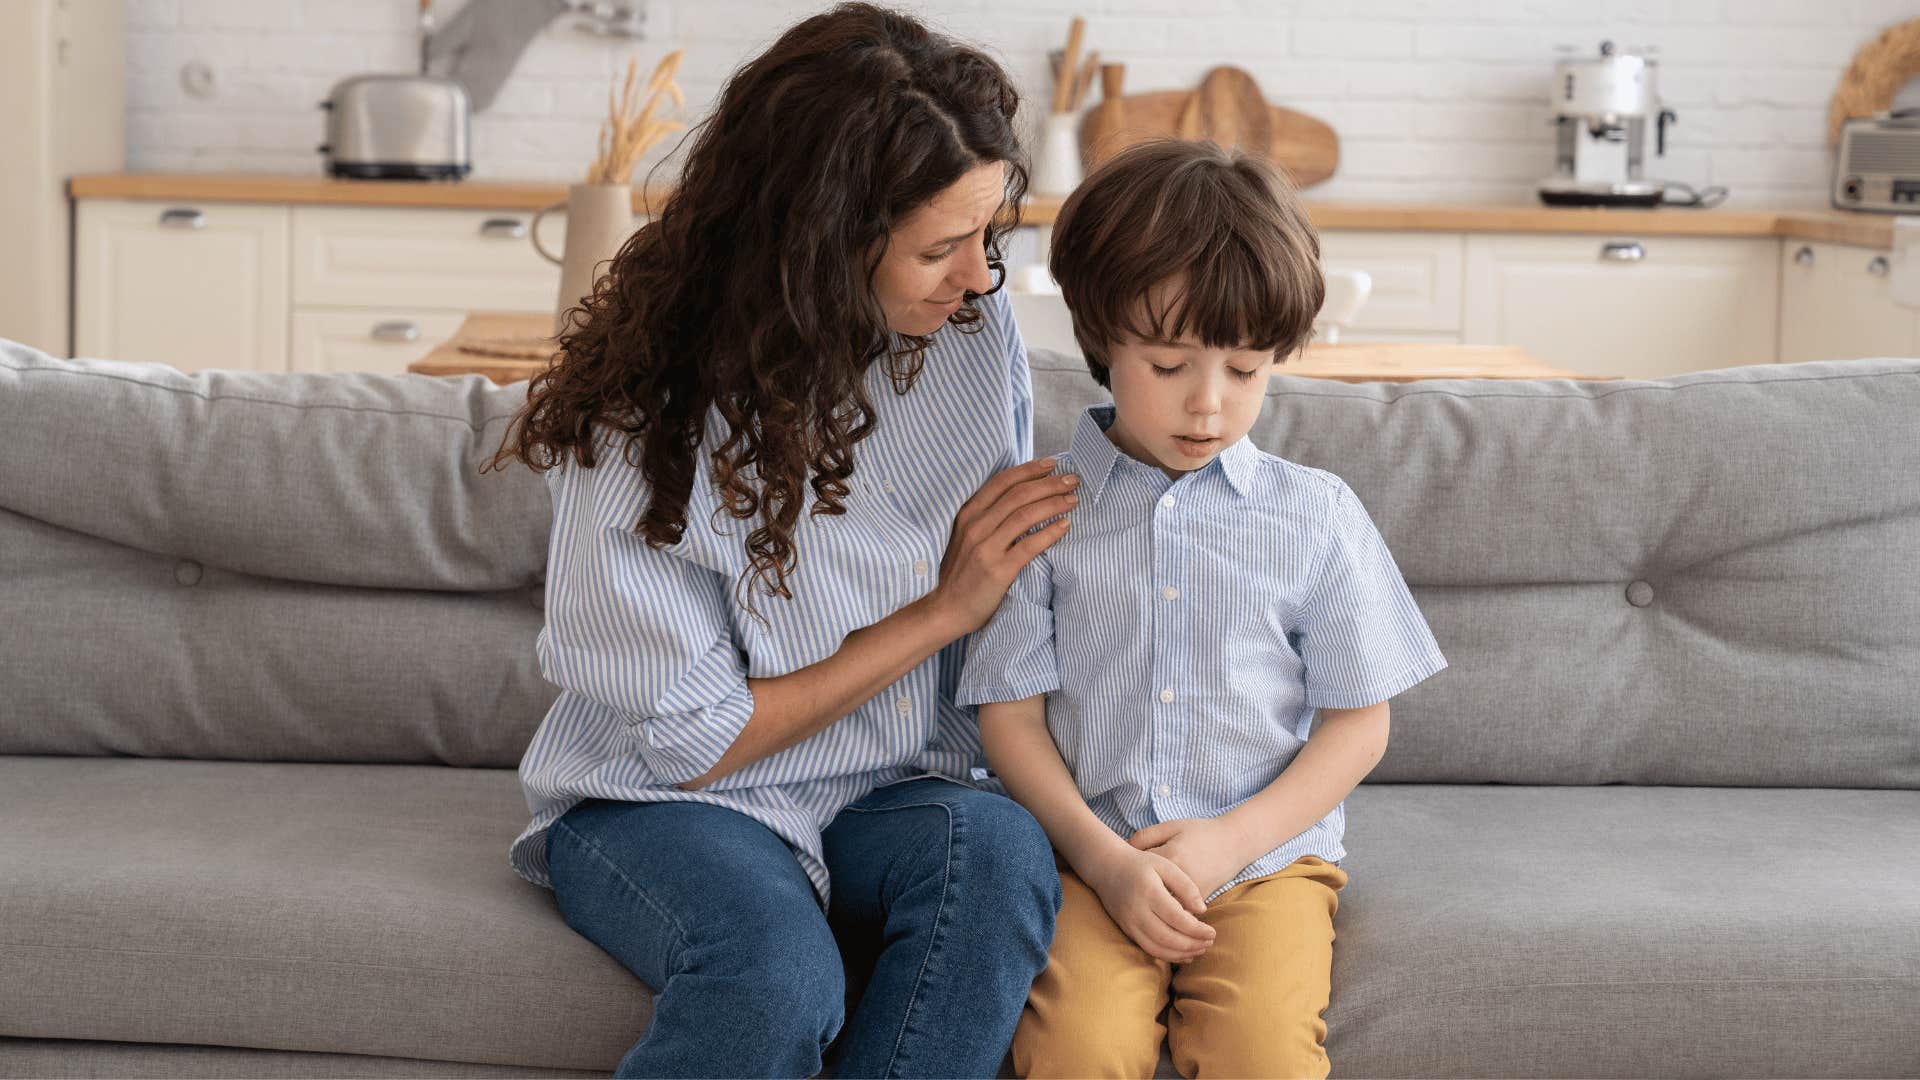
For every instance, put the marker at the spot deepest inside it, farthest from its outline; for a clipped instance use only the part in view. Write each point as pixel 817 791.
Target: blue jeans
pixel 942 910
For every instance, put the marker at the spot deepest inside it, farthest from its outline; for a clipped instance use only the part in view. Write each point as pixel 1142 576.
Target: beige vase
pixel 599 220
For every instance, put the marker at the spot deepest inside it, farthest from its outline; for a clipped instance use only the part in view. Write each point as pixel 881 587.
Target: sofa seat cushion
pixel 1487 930
pixel 81 1060
pixel 364 909
pixel 1628 931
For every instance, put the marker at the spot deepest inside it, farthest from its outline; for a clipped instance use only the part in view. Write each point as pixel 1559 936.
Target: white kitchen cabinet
pixel 1638 307
pixel 195 286
pixel 453 260
pixel 304 288
pixel 1415 294
pixel 367 339
pixel 1834 305
pixel 347 288
pixel 1417 278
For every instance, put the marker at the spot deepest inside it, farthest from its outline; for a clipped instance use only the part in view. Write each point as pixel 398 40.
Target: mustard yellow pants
pixel 1250 1006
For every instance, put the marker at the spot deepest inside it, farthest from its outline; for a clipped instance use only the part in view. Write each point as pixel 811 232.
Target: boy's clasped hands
pixel 1155 886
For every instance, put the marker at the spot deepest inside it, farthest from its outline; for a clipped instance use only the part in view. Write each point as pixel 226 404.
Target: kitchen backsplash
pixel 1432 99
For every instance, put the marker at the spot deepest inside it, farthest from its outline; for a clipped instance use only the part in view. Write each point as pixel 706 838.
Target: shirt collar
pixel 1093 453
pixel 1094 456
pixel 1239 463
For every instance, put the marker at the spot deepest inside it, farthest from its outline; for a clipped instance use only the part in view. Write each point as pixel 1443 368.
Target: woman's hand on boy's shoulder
pixel 989 544
pixel 1153 901
pixel 1207 849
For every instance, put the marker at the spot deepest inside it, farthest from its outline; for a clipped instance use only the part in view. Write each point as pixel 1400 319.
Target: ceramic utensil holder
pixel 599 220
pixel 1057 172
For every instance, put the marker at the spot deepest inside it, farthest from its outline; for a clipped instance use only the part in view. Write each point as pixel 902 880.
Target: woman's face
pixel 939 253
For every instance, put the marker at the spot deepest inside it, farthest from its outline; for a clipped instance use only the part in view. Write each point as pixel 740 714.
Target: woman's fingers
pixel 1022 497
pixel 1030 515
pixel 1000 483
pixel 1027 547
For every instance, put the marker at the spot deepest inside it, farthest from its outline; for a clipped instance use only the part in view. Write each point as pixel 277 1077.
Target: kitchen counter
pixel 321 190
pixel 510 346
pixel 1827 226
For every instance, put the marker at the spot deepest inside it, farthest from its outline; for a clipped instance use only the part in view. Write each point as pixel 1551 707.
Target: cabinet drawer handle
pixel 1879 266
pixel 1803 257
pixel 1623 251
pixel 399 330
pixel 183 218
pixel 504 228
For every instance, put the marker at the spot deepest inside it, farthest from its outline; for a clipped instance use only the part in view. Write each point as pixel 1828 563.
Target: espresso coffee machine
pixel 1606 111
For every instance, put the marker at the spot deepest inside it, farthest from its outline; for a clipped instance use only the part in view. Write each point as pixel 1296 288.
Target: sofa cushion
pixel 338 479
pixel 265 566
pixel 1487 930
pixel 1621 931
pixel 80 1060
pixel 107 649
pixel 1706 579
pixel 358 909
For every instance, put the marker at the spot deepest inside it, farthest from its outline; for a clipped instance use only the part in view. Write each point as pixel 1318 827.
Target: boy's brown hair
pixel 1225 223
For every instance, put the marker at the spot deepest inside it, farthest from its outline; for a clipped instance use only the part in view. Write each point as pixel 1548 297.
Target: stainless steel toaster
pixel 406 127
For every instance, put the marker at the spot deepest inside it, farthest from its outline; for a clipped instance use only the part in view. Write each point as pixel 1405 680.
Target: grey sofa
pixel 266 665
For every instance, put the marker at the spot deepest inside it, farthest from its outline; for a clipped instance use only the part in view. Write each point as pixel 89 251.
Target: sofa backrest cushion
pixel 264 566
pixel 1707 579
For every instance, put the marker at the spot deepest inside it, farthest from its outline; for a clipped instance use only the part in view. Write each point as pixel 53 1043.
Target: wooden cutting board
pixel 1225 109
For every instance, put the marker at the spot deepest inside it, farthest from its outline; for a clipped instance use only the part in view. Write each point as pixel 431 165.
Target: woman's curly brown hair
pixel 750 293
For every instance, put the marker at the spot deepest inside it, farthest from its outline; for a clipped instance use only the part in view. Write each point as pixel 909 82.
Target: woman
pixel 782 451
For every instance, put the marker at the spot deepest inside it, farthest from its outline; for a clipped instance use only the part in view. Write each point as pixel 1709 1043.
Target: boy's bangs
pixel 1230 300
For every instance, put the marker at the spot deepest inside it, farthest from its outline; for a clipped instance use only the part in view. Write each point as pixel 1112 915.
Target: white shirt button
pixel 1165 791
pixel 886 486
pixel 1166 697
pixel 1166 500
pixel 904 705
pixel 1170 593
pixel 920 567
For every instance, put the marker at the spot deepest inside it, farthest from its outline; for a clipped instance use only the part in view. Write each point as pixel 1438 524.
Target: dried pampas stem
pixel 631 129
pixel 1875 77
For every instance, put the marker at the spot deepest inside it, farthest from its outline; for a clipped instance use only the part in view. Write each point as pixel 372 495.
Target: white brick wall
pixel 1433 99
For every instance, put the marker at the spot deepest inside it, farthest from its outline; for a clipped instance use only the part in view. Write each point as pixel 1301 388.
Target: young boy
pixel 1148 686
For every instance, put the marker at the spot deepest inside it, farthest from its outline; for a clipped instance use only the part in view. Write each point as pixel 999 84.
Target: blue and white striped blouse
pixel 1186 630
pixel 652 648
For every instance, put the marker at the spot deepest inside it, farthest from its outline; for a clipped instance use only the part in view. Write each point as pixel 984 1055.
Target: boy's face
pixel 1178 404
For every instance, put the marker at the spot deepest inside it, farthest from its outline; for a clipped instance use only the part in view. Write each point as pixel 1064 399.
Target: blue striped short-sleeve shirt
pixel 652 648
pixel 1184 631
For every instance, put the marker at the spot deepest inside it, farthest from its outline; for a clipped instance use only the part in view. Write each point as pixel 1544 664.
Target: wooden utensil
pixel 1303 145
pixel 1107 119
pixel 1084 81
pixel 1069 65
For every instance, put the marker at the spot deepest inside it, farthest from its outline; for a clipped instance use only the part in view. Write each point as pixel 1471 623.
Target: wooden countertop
pixel 1829 226
pixel 509 346
pixel 268 188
